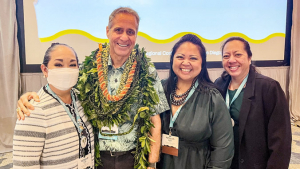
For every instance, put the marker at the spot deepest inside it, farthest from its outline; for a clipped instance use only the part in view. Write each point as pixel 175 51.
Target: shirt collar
pixel 110 66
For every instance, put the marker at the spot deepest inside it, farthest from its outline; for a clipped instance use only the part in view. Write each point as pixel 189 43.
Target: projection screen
pixel 82 23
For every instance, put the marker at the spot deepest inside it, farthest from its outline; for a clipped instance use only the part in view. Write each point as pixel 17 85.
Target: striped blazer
pixel 48 138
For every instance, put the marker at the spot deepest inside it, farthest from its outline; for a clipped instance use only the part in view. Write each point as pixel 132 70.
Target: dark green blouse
pixel 235 113
pixel 205 133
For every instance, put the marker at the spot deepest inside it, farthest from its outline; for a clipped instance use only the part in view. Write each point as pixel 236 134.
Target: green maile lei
pixel 101 113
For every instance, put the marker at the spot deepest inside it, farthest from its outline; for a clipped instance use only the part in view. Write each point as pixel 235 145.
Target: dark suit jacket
pixel 265 129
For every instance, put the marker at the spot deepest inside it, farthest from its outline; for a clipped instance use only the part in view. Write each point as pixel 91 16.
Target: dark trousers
pixel 125 161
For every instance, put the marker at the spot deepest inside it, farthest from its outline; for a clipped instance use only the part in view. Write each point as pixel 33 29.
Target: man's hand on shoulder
pixel 24 105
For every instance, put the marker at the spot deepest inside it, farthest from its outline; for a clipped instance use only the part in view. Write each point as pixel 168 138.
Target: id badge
pixel 114 130
pixel 85 162
pixel 170 144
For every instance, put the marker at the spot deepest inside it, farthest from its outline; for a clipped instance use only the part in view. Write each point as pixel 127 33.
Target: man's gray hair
pixel 123 10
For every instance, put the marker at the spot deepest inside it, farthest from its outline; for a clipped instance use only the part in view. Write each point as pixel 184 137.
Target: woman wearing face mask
pixel 257 104
pixel 56 134
pixel 197 131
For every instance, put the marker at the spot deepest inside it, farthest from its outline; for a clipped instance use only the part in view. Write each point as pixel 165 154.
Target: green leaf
pixel 79 86
pixel 82 96
pixel 144 158
pixel 142 129
pixel 143 109
pixel 87 60
pixel 137 165
pixel 143 143
pixel 94 70
pixel 148 146
pixel 96 97
pixel 151 139
pixel 135 117
pixel 142 162
pixel 83 78
pixel 143 114
pixel 93 116
pixel 154 97
pixel 87 87
pixel 142 138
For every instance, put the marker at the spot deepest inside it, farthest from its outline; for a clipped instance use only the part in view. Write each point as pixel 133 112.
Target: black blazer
pixel 265 128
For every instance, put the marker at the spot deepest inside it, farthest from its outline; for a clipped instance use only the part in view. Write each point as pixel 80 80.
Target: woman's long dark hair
pixel 203 77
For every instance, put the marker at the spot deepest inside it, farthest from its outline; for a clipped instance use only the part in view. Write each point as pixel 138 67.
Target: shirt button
pixel 116 80
pixel 242 161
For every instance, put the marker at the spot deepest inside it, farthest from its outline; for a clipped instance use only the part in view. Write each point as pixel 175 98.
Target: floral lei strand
pixel 102 112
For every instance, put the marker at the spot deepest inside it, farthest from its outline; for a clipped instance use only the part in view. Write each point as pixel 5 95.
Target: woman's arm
pixel 221 141
pixel 29 140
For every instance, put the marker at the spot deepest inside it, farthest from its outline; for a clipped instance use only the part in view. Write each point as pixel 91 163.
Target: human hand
pixel 24 105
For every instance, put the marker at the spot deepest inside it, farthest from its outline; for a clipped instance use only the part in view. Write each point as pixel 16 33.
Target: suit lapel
pixel 225 85
pixel 247 99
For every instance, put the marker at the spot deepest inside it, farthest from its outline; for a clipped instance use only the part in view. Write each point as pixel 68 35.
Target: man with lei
pixel 122 96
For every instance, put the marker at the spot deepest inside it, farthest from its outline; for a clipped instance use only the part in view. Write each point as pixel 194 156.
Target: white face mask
pixel 63 78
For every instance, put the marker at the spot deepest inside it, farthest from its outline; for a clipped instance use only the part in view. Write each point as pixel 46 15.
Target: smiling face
pixel 122 35
pixel 61 57
pixel 187 62
pixel 235 60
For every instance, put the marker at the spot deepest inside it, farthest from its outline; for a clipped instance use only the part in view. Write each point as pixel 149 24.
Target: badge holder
pixel 114 130
pixel 85 162
pixel 170 144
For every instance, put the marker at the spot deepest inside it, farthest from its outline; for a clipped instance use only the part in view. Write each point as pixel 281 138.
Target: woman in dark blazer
pixel 258 108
